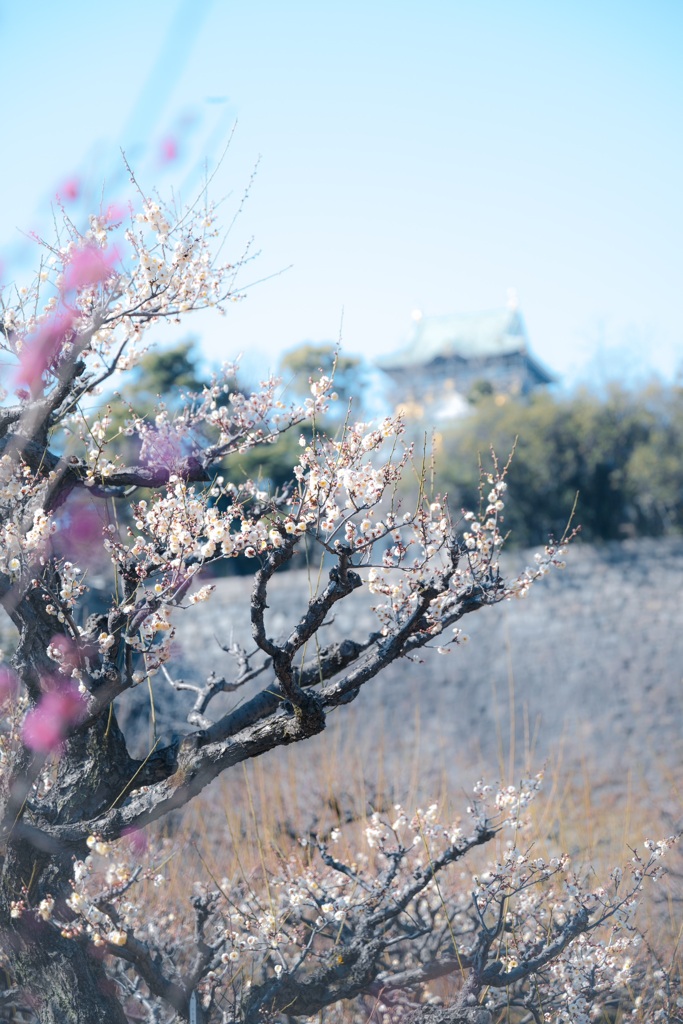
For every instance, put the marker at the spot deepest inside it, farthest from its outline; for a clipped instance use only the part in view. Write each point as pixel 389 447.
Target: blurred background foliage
pixel 620 449
pixel 309 360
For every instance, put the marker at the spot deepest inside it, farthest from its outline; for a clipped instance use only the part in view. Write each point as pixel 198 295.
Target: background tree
pixel 622 453
pixel 308 361
pixel 165 374
pixel 72 941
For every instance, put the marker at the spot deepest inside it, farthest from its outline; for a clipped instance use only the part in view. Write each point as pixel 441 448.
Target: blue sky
pixel 413 156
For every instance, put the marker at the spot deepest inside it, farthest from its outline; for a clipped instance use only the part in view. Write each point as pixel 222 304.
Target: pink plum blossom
pixel 47 724
pixel 115 213
pixel 89 266
pixel 137 840
pixel 80 532
pixel 63 650
pixel 70 189
pixel 168 149
pixel 41 350
pixel 161 448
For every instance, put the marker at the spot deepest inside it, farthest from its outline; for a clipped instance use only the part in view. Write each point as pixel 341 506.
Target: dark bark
pixel 60 977
pixel 350 972
pixel 63 977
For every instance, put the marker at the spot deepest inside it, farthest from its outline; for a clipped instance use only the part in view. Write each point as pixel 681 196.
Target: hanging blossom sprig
pixel 84 318
pixel 99 292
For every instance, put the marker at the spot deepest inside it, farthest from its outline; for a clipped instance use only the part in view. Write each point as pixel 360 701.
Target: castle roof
pixel 470 337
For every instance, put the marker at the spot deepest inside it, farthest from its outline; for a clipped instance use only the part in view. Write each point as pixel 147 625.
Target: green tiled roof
pixel 474 336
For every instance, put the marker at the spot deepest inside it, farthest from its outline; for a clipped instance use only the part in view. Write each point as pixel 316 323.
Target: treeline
pixel 621 452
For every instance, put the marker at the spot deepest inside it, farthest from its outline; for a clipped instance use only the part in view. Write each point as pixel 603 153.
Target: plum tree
pixel 70 786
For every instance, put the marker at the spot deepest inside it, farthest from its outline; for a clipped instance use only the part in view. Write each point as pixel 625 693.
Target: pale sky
pixel 413 156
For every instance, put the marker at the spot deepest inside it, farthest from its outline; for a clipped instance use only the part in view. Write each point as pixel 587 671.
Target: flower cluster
pixel 100 902
pixel 23 533
pixel 108 285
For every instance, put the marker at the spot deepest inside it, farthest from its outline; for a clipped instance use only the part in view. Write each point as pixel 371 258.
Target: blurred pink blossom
pixel 88 266
pixel 161 448
pixel 114 213
pixel 41 350
pixel 68 654
pixel 70 189
pixel 168 149
pixel 46 725
pixel 136 839
pixel 79 536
